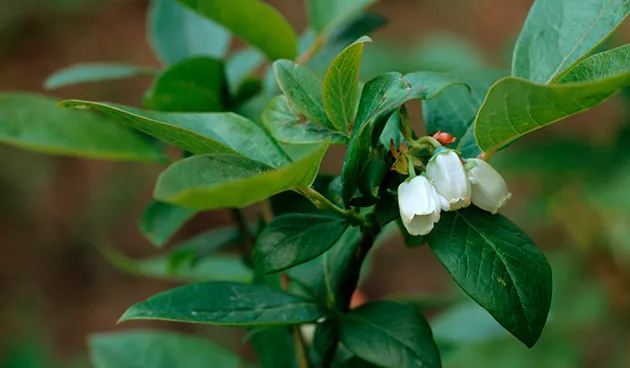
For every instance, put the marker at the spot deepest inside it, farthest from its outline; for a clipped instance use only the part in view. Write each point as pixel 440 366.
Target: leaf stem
pixel 410 167
pixel 323 203
pixel 249 240
pixel 313 49
pixel 300 348
pixel 430 140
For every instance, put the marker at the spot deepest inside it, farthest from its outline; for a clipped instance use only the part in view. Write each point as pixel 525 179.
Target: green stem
pixel 410 166
pixel 249 240
pixel 323 203
pixel 429 140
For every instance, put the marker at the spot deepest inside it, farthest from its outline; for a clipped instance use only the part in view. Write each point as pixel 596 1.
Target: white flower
pixel 489 191
pixel 419 205
pixel 308 332
pixel 447 173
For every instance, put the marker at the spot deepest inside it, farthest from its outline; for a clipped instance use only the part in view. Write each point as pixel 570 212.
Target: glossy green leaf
pixel 323 277
pixel 196 132
pixel 256 22
pixel 341 86
pixel 226 180
pixel 176 33
pixel 454 110
pixel 287 125
pixel 191 85
pixel 95 72
pixel 600 66
pixel 274 347
pixel 325 15
pixel 304 90
pixel 160 221
pixel 498 266
pixel 201 246
pixel 157 349
pixel 293 239
pixel 428 85
pixel 36 123
pixel 390 334
pixel 227 304
pixel 515 107
pixel 188 269
pixel 559 33
pixel 380 97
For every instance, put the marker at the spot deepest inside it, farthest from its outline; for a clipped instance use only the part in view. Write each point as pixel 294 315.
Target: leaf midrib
pixel 505 264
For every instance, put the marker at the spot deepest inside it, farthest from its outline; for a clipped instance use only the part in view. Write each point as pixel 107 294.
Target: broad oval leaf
pixel 198 133
pixel 325 15
pixel 191 85
pixel 36 123
pixel 515 107
pixel 380 97
pixel 559 33
pixel 389 334
pixel 292 239
pixel 287 125
pixel 498 266
pixel 323 277
pixel 180 266
pixel 454 110
pixel 157 349
pixel 341 86
pixel 160 221
pixel 227 304
pixel 259 24
pixel 226 180
pixel 177 33
pixel 304 90
pixel 95 72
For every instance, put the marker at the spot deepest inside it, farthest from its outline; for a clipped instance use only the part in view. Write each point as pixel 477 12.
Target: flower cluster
pixel 449 183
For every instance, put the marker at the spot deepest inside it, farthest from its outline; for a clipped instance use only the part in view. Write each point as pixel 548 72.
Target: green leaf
pixel 196 132
pixel 341 86
pixel 203 245
pixel 389 334
pixel 226 180
pixel 428 85
pixel 293 239
pixel 240 65
pixel 157 349
pixel 274 347
pixel 326 15
pixel 338 40
pixel 498 266
pixel 227 304
pixel 176 33
pixel 259 24
pixel 304 90
pixel 292 202
pixel 323 277
pixel 559 33
pixel 599 66
pixel 160 221
pixel 515 107
pixel 287 125
pixel 454 110
pixel 36 123
pixel 191 85
pixel 380 97
pixel 190 269
pixel 95 72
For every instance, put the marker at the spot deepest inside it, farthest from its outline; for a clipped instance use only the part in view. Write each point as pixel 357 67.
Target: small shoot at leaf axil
pixel 447 182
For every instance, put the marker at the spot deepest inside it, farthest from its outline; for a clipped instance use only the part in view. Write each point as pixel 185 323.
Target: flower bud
pixel 419 205
pixel 489 191
pixel 444 138
pixel 446 171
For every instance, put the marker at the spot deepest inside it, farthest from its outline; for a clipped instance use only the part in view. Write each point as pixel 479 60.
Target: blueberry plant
pixel 252 127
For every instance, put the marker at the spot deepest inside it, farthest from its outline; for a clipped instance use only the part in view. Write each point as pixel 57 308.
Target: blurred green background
pixel 571 186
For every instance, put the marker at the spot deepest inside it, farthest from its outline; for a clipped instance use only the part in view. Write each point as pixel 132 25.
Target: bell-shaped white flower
pixel 446 171
pixel 419 205
pixel 489 191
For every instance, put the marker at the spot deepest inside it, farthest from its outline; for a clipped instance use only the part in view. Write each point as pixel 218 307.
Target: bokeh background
pixel 571 186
